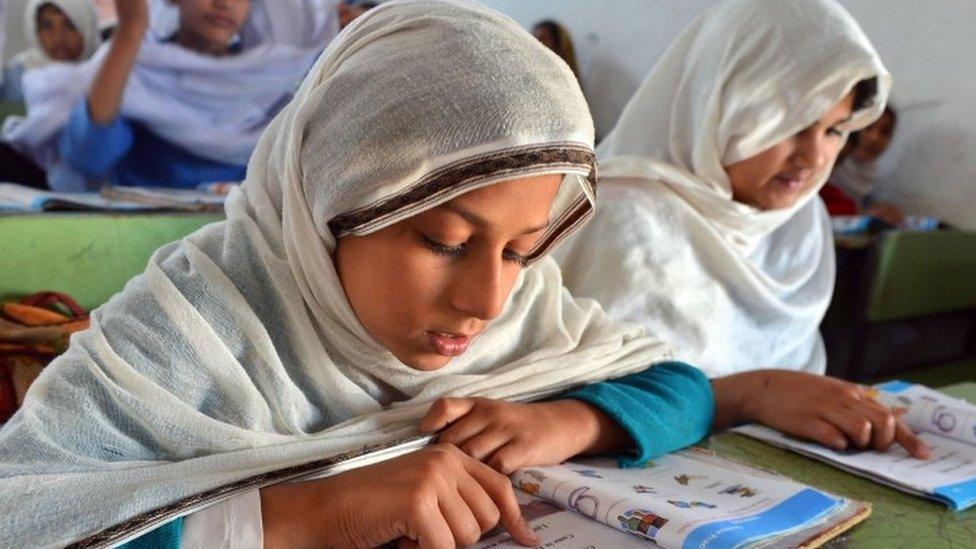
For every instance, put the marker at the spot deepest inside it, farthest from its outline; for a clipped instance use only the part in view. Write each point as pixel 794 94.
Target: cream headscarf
pixel 733 288
pixel 236 352
pixel 82 15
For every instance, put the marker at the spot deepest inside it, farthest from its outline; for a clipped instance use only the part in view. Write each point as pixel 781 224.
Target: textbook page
pixel 946 424
pixel 687 499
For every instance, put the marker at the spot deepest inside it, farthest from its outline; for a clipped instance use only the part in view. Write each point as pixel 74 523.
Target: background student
pixel 177 98
pixel 709 230
pixel 854 180
pixel 59 31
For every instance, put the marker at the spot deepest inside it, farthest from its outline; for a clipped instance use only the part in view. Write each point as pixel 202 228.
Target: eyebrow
pixel 483 223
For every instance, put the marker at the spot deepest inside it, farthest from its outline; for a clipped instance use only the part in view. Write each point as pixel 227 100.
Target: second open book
pixel 946 424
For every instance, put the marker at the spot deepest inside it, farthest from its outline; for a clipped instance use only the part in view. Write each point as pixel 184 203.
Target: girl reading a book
pixel 382 272
pixel 178 97
pixel 709 229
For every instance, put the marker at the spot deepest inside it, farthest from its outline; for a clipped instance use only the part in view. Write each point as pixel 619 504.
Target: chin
pixel 778 205
pixel 425 362
pixel 781 201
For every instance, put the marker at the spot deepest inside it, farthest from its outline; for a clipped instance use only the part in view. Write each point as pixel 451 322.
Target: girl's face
pixel 348 14
pixel 874 139
pixel 544 34
pixel 208 26
pixel 426 286
pixel 777 177
pixel 57 35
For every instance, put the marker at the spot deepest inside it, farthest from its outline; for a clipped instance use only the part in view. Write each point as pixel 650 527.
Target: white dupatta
pixel 82 15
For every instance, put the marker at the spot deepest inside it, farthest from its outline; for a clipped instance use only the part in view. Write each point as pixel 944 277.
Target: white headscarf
pixel 82 15
pixel 215 107
pixel 857 179
pixel 731 287
pixel 236 352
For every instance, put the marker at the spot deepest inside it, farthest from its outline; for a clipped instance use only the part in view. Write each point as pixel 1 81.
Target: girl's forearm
pixel 735 397
pixel 105 95
pixel 597 432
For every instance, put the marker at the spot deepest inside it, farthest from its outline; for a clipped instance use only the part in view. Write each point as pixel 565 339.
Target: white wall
pixel 14 28
pixel 930 48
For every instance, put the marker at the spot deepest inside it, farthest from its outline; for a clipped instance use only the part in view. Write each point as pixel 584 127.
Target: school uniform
pixel 185 118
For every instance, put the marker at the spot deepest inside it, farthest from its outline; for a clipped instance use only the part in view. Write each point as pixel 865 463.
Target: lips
pixel 221 21
pixel 448 344
pixel 790 182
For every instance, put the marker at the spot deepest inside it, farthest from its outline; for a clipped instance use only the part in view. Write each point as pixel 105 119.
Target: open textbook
pixel 946 424
pixel 686 499
pixel 19 198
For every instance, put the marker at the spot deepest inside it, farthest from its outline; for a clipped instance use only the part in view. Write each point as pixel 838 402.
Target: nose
pixel 811 150
pixel 482 287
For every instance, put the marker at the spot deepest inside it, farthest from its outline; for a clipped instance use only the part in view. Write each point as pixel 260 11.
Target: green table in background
pixel 897 520
pixel 89 256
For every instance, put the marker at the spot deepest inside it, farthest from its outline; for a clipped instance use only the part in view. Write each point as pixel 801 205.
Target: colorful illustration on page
pixel 641 522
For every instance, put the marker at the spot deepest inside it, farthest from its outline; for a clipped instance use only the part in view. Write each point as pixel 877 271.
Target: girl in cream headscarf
pixel 58 31
pixel 709 230
pixel 387 250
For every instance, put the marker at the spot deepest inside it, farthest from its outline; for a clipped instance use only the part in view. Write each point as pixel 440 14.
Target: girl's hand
pixel 508 435
pixel 436 497
pixel 887 212
pixel 133 16
pixel 833 412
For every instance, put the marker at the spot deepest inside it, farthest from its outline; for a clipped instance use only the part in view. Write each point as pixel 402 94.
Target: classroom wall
pixel 928 46
pixel 14 28
pixel 931 166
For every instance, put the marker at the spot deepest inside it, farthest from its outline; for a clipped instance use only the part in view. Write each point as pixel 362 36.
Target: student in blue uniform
pixel 178 97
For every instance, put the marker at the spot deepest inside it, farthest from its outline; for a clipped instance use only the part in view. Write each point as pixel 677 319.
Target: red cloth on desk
pixel 837 201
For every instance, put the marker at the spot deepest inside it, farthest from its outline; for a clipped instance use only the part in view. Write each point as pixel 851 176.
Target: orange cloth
pixel 32 332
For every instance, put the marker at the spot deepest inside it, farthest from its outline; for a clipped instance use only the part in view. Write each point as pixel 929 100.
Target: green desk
pixel 898 519
pixel 89 256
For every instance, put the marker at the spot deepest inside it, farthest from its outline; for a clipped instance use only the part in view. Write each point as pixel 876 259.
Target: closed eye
pixel 457 251
pixel 509 255
pixel 450 252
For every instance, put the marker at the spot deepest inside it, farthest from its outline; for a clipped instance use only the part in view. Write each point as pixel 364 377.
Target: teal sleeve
pixel 664 408
pixel 166 536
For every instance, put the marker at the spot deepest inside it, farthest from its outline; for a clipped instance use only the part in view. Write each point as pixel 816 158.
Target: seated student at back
pixel 854 180
pixel 59 31
pixel 100 142
pixel 709 228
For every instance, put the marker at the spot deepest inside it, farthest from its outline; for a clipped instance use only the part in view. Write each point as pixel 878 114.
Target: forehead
pixel 515 203
pixel 50 10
